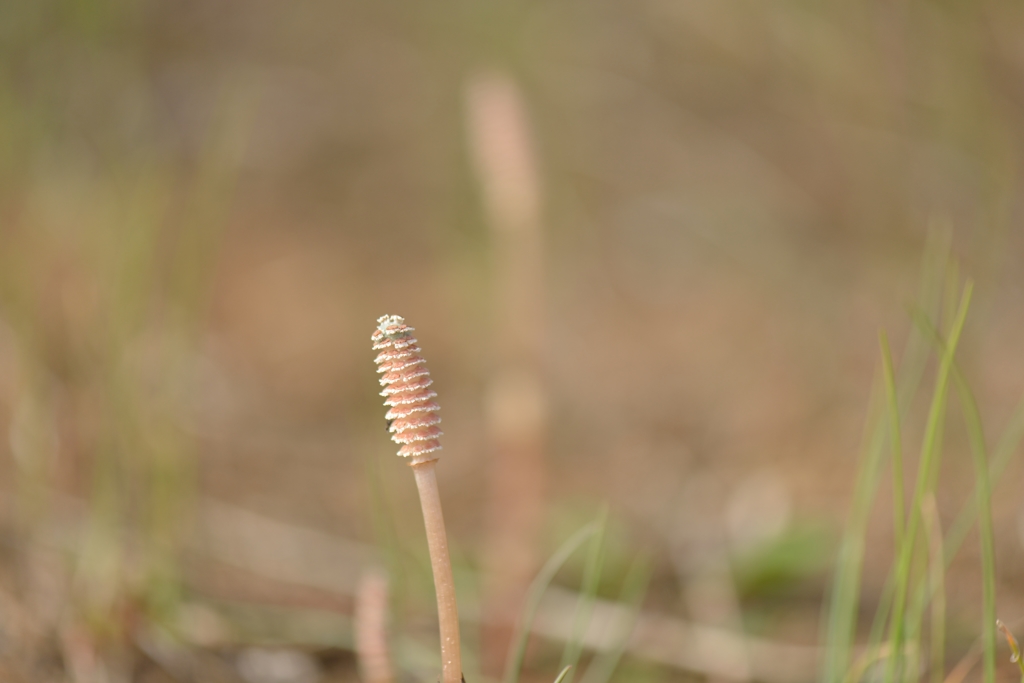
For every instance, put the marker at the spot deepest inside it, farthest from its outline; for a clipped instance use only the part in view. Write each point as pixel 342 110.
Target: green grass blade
pixel 634 587
pixel 877 632
pixel 863 663
pixel 873 651
pixel 895 446
pixel 588 591
pixel 517 649
pixel 924 591
pixel 843 605
pixel 385 531
pixel 841 620
pixel 952 285
pixel 976 436
pixel 846 585
pixel 1003 453
pixel 563 674
pixel 937 580
pixel 1001 456
pixel 927 467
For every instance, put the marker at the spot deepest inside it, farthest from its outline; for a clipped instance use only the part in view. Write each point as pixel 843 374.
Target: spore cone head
pixel 412 415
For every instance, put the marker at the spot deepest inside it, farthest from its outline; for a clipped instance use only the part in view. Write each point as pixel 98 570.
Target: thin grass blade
pixel 517 649
pixel 877 631
pixel 846 585
pixel 927 468
pixel 1001 457
pixel 976 436
pixel 1004 452
pixel 588 591
pixel 634 587
pixel 937 578
pixel 895 444
pixel 563 674
pixel 845 591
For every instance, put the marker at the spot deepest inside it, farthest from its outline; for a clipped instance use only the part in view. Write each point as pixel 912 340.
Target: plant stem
pixel 441 565
pixel 927 469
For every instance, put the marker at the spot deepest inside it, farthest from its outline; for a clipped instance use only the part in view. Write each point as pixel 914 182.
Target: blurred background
pixel 647 247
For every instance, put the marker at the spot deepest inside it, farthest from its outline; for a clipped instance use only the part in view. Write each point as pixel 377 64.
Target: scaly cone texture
pixel 413 422
pixel 412 418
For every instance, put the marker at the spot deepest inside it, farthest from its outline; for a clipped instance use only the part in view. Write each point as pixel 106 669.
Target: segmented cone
pixel 412 417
